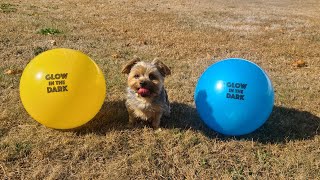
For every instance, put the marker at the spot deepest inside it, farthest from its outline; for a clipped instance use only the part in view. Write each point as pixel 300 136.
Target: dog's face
pixel 146 79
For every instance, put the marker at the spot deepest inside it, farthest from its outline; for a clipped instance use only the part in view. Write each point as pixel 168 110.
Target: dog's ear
pixel 127 68
pixel 164 70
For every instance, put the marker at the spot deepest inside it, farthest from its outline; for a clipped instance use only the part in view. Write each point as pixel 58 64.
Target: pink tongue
pixel 144 92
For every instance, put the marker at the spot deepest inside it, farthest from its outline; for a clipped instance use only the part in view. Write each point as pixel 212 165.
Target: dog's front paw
pixel 158 130
pixel 156 123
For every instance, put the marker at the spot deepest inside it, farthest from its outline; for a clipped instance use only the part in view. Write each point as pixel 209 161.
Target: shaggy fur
pixel 150 106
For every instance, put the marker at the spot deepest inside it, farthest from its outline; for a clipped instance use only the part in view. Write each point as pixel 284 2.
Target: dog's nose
pixel 143 83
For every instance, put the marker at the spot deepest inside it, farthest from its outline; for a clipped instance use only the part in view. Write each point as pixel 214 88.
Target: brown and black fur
pixel 151 75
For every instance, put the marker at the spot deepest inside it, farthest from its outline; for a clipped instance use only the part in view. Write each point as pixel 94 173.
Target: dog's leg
pixel 132 118
pixel 167 111
pixel 132 121
pixel 156 120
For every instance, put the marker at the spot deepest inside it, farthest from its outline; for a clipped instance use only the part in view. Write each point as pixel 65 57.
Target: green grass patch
pixel 49 31
pixel 205 163
pixel 1 74
pixel 16 150
pixel 8 8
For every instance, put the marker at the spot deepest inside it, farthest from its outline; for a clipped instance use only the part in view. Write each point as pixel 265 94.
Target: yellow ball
pixel 62 88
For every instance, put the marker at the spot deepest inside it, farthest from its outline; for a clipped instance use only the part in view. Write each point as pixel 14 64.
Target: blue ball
pixel 234 97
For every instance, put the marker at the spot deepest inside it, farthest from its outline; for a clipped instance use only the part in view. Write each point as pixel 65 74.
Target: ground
pixel 282 37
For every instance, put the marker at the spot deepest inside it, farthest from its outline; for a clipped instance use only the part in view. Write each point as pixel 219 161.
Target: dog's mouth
pixel 144 92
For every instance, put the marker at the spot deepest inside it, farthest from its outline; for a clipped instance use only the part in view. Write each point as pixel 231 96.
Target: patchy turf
pixel 188 36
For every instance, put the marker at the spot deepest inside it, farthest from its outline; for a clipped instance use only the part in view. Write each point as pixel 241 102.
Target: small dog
pixel 147 98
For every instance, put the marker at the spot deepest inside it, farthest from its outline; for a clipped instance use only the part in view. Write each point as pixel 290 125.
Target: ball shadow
pixel 112 116
pixel 283 125
pixel 287 124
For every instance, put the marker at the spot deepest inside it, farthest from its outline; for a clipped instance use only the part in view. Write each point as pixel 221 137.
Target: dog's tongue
pixel 144 92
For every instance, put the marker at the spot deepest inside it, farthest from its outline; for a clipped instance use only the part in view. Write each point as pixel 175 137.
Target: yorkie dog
pixel 147 98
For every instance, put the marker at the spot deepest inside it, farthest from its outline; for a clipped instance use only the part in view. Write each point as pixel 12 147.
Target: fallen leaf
pixel 299 64
pixel 12 72
pixel 116 55
pixel 8 72
pixel 208 56
pixel 53 42
pixel 142 42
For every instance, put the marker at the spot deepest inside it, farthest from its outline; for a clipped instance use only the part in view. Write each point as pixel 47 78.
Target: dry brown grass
pixel 188 36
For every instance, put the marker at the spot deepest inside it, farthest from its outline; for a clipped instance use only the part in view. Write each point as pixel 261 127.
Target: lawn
pixel 282 37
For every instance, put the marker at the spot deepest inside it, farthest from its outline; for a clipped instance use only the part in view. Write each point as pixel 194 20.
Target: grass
pixel 49 31
pixel 38 50
pixel 7 8
pixel 18 150
pixel 188 36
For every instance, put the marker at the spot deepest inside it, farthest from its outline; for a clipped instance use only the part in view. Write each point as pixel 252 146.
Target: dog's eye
pixel 152 77
pixel 136 76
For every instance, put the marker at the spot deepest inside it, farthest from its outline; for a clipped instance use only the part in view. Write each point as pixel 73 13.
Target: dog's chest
pixel 145 115
pixel 143 109
pixel 146 110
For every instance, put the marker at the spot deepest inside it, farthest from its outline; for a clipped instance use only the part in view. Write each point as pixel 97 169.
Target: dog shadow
pixel 283 125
